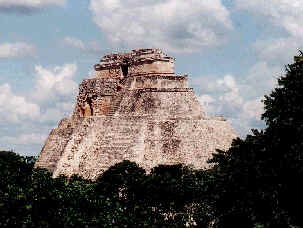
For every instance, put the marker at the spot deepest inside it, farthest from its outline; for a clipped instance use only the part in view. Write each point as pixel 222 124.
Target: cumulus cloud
pixel 238 98
pixel 14 108
pixel 55 113
pixel 283 37
pixel 27 6
pixel 74 42
pixel 261 79
pixel 90 47
pixel 53 98
pixel 223 96
pixel 55 91
pixel 56 84
pixel 24 139
pixel 226 98
pixel 174 25
pixel 18 49
pixel 284 14
pixel 253 109
pixel 205 100
pixel 278 50
pixel 231 89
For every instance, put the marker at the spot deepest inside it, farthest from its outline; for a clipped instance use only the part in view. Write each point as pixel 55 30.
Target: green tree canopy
pixel 258 178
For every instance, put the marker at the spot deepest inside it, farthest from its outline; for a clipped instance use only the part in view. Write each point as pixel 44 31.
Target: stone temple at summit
pixel 135 108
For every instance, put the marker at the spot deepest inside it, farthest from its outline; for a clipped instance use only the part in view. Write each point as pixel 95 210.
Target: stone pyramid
pixel 136 108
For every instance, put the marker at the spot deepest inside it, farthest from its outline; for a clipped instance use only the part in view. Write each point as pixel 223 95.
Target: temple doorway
pixel 90 103
pixel 124 68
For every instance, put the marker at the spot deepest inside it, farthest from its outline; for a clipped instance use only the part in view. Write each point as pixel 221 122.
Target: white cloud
pixel 27 6
pixel 51 115
pixel 17 49
pixel 92 47
pixel 174 25
pixel 65 106
pixel 283 14
pixel 278 50
pixel 207 102
pixel 281 40
pixel 231 94
pixel 24 139
pixel 53 98
pixel 57 112
pixel 54 91
pixel 225 89
pixel 74 42
pixel 15 108
pixel 261 78
pixel 238 99
pixel 243 115
pixel 55 84
pixel 253 109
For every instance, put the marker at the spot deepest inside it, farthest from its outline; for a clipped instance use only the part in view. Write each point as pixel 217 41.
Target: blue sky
pixel 233 51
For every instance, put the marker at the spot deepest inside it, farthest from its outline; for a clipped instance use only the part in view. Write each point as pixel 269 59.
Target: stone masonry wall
pixel 55 145
pixel 166 103
pixel 147 61
pixel 147 141
pixel 135 109
pixel 138 69
pixel 95 97
pixel 157 81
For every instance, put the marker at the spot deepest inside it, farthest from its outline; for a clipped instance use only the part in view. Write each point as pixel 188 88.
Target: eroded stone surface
pixel 135 109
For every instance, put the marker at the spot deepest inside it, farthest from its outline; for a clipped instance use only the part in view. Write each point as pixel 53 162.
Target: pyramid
pixel 135 108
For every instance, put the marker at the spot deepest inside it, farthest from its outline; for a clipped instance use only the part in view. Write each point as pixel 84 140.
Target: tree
pixel 123 196
pixel 15 175
pixel 120 187
pixel 284 118
pixel 258 178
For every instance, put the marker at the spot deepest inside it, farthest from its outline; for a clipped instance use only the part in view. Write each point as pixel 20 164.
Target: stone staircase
pixel 116 104
pixel 54 146
pixel 72 147
pixel 117 142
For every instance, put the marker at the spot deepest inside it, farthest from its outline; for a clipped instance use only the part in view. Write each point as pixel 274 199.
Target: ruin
pixel 135 108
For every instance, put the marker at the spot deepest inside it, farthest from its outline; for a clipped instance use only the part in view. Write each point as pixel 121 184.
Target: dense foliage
pixel 255 183
pixel 124 196
pixel 258 179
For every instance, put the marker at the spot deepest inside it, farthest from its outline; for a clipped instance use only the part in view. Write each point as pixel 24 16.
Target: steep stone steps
pixel 116 104
pixel 55 144
pixel 100 139
pixel 119 133
pixel 67 162
pixel 118 142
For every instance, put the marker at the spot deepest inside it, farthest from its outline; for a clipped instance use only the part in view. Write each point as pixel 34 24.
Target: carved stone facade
pixel 137 62
pixel 135 109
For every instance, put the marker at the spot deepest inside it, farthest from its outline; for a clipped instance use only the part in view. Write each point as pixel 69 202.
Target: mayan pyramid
pixel 135 108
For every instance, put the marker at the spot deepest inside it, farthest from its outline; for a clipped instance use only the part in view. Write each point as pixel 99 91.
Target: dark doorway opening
pixel 124 68
pixel 90 103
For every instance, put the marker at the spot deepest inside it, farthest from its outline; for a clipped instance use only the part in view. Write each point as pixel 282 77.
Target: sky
pixel 232 50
